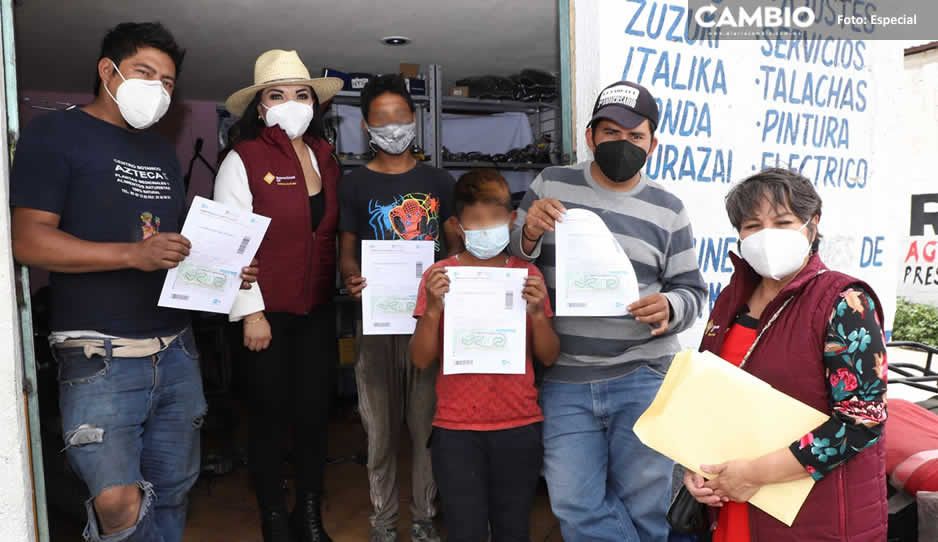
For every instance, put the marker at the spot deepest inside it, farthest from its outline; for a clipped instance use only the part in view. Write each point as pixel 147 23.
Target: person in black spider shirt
pixel 394 197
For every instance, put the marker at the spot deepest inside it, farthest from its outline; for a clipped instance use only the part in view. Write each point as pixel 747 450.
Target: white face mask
pixel 487 243
pixel 775 252
pixel 142 103
pixel 394 138
pixel 292 117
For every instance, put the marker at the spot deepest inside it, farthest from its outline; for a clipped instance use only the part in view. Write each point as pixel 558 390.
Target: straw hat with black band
pixel 278 67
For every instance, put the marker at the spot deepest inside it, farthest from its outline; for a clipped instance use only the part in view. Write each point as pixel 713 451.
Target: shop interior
pixel 484 76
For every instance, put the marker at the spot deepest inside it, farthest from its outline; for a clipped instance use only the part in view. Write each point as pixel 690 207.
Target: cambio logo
pixel 768 16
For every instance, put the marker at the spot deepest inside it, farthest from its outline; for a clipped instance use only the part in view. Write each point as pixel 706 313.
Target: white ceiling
pixel 58 41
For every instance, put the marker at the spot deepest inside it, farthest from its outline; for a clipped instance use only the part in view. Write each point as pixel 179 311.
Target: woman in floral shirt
pixel 817 336
pixel 855 356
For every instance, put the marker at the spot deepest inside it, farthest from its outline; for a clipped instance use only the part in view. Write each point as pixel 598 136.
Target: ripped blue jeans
pixel 135 421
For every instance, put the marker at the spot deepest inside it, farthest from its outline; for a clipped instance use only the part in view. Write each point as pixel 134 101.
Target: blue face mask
pixel 487 243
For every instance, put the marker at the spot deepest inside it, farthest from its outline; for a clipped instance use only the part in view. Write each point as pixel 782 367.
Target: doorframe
pixel 566 21
pixel 21 285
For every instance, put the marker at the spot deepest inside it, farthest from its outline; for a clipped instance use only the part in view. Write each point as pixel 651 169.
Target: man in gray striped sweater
pixel 605 485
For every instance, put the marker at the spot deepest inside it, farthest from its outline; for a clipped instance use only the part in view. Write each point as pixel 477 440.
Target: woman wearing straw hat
pixel 280 166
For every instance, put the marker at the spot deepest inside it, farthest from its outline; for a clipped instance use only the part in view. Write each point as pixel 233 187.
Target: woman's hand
pixel 249 275
pixel 256 332
pixel 695 484
pixel 735 480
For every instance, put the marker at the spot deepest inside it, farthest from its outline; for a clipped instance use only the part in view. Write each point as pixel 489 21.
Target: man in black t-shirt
pixel 99 202
pixel 394 197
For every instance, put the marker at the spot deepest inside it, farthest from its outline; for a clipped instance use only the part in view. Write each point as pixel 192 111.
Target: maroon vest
pixel 849 504
pixel 297 265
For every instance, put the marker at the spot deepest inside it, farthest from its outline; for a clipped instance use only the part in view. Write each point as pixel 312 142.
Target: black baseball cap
pixel 626 104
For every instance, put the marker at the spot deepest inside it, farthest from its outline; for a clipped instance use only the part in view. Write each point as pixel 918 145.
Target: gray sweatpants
pixel 391 390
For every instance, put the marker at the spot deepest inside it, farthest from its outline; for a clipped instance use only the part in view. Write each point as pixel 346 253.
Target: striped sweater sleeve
pixel 533 194
pixel 682 282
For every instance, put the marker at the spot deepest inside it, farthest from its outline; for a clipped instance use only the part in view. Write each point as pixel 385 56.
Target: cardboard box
pixel 410 70
pixel 461 91
pixel 359 80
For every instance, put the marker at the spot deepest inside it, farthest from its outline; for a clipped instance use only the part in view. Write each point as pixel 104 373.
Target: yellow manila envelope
pixel 708 412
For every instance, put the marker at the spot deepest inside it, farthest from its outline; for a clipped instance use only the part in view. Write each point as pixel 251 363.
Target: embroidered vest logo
pixel 277 180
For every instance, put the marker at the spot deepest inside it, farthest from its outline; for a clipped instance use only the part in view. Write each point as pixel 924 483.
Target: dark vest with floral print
pixel 849 504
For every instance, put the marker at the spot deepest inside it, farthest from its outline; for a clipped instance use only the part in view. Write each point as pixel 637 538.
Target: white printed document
pixel 594 275
pixel 393 270
pixel 485 321
pixel 224 240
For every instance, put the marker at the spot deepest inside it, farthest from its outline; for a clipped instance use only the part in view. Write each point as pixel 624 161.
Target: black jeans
pixel 291 384
pixel 487 479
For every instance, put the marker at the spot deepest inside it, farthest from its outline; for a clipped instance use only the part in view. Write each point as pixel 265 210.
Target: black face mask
pixel 619 160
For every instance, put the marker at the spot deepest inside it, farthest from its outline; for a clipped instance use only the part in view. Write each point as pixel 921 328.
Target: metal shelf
pixel 353 97
pixel 434 104
pixel 477 105
pixel 496 165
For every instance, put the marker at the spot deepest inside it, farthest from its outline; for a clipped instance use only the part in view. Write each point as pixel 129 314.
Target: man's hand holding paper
pixel 594 275
pixel 219 244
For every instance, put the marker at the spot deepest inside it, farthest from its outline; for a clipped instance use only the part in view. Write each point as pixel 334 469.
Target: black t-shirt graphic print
pixel 411 206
